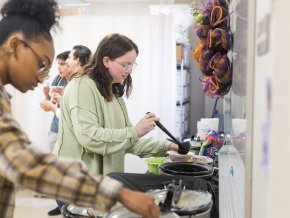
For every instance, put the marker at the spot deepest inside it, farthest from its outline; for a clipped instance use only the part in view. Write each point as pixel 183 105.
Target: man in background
pixel 48 104
pixel 77 58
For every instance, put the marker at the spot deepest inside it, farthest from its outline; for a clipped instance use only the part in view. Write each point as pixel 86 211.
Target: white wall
pixel 270 182
pixel 264 69
pixel 152 79
pixel 279 180
pixel 154 76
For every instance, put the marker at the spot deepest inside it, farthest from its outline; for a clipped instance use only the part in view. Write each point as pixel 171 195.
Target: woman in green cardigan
pixel 94 125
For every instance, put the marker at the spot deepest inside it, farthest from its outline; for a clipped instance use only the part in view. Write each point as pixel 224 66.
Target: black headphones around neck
pixel 118 89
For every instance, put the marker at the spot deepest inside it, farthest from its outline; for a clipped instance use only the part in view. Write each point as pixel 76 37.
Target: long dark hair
pixel 32 18
pixel 112 46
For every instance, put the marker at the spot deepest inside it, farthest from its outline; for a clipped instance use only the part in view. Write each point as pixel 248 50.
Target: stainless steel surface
pixel 77 210
pixel 96 213
pixel 121 212
pixel 189 202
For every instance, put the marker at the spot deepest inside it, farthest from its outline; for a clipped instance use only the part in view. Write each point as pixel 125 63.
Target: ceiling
pixel 73 7
pixel 125 1
pixel 74 2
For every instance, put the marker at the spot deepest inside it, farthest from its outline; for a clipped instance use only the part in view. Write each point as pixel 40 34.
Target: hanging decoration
pixel 215 41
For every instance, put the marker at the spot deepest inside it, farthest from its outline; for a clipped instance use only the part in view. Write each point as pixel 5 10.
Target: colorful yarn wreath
pixel 215 40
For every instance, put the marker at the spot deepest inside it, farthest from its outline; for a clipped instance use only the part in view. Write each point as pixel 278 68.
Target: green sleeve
pixel 145 145
pixel 84 108
pixel 149 146
pixel 97 139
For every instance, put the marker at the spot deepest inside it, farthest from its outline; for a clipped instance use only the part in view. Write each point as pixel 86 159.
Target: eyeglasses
pixel 127 67
pixel 43 69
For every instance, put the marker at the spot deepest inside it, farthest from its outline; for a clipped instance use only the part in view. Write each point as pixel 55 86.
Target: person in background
pixel 95 125
pixel 49 104
pixel 77 58
pixel 68 64
pixel 26 55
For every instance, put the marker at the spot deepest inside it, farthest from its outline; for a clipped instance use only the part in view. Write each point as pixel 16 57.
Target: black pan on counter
pixel 186 169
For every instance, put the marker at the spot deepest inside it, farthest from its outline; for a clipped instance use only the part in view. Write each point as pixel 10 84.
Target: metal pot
pixel 68 213
pixel 118 211
pixel 72 211
pixel 191 203
pixel 121 212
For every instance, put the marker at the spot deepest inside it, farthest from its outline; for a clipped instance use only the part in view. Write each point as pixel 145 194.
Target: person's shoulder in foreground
pixel 26 55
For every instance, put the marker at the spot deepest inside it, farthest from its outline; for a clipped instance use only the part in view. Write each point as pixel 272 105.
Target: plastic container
pixel 174 156
pixel 153 164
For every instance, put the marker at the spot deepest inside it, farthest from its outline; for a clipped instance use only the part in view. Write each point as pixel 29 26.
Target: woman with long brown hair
pixel 26 55
pixel 95 125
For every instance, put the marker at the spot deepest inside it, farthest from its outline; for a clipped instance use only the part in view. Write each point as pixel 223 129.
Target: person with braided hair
pixel 26 55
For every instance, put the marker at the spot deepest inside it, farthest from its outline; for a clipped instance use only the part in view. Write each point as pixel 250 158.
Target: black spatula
pixel 183 147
